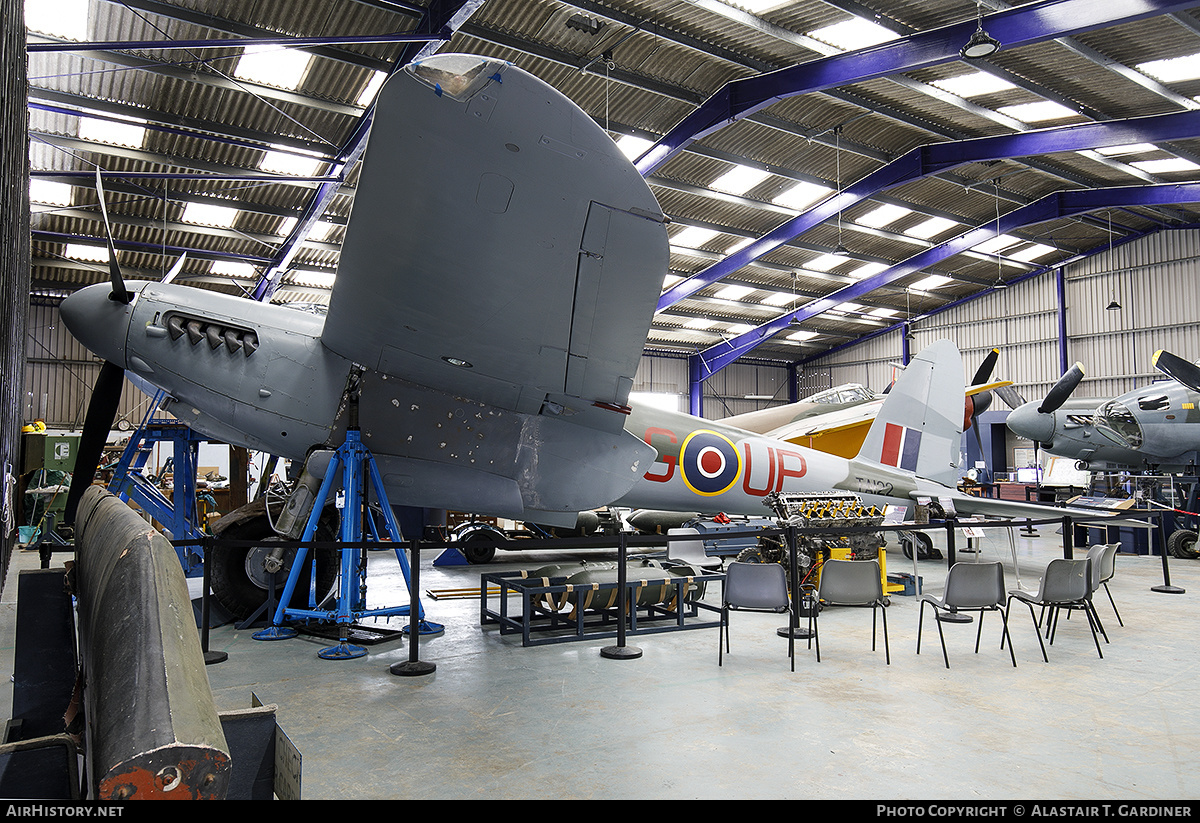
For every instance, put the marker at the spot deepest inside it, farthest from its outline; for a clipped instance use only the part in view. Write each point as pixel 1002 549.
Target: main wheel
pixel 1182 544
pixel 240 578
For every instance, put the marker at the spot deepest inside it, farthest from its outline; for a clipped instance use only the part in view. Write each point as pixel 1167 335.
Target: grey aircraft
pixel 1154 428
pixel 495 288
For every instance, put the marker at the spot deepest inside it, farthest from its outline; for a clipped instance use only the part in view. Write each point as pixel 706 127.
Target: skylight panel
pixel 930 228
pixel 1168 164
pixel 883 216
pixel 931 282
pixel 756 6
pixel 1032 252
pixel 1129 148
pixel 82 251
pixel 205 214
pixel 699 323
pixel 733 292
pixel 801 196
pixel 632 146
pixel 802 335
pixel 67 19
pixel 848 308
pixel 739 180
pixel 374 84
pixel 50 192
pixel 975 84
pixel 273 66
pixel 232 268
pixel 286 226
pixel 778 298
pixel 739 245
pixel 693 237
pixel 739 328
pixel 1038 112
pixel 996 244
pixel 295 164
pixel 1172 69
pixel 122 132
pixel 883 312
pixel 825 262
pixel 868 270
pixel 670 280
pixel 853 34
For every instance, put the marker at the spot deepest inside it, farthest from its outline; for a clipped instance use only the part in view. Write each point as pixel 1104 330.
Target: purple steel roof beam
pixel 1050 207
pixel 1024 25
pixel 937 157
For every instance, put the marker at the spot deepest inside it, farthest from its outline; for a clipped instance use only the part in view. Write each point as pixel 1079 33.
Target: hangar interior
pixel 843 183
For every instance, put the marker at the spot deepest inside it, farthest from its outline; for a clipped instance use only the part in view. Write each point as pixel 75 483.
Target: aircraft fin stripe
pixel 901 446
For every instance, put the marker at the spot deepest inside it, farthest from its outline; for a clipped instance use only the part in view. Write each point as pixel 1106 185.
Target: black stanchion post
pixel 413 666
pixel 206 545
pixel 1166 587
pixel 621 651
pixel 793 628
pixel 1068 541
pixel 950 524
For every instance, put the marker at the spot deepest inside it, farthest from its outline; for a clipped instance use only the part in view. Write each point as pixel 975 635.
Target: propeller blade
pixel 1061 390
pixel 119 292
pixel 102 409
pixel 1011 397
pixel 1176 367
pixel 984 373
pixel 176 269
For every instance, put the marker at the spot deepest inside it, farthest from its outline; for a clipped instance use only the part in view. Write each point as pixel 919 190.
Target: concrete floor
pixel 500 721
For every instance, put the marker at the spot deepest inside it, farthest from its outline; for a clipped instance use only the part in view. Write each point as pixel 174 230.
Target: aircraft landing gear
pixel 1182 544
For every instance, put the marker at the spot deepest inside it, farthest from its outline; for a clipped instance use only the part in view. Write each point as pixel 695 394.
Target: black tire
pixel 239 583
pixel 478 547
pixel 924 545
pixel 1182 544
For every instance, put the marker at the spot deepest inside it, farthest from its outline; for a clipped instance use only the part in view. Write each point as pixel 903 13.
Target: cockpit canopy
pixel 1116 420
pixel 846 393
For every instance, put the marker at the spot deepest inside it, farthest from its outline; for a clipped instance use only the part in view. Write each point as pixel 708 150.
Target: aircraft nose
pixel 98 322
pixel 1027 421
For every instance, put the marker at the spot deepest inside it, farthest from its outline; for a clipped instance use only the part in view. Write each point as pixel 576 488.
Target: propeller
pixel 1177 368
pixel 1061 390
pixel 119 292
pixel 984 373
pixel 106 393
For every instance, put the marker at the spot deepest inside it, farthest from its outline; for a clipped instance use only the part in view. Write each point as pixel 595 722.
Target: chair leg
pixel 1092 621
pixel 979 631
pixel 1036 630
pixel 1004 636
pixel 920 624
pixel 1114 604
pixel 887 650
pixel 942 637
pixel 1091 609
pixel 722 635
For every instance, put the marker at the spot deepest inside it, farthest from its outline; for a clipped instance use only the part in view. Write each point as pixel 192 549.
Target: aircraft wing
pixel 501 248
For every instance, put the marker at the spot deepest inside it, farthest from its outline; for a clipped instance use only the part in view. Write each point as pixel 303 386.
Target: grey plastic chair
pixel 970 587
pixel 689 552
pixel 755 587
pixel 851 583
pixel 1065 584
pixel 1106 572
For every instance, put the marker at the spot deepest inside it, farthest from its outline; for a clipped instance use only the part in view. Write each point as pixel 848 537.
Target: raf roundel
pixel 711 463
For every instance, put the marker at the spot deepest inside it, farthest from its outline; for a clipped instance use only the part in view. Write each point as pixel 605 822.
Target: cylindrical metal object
pixel 153 727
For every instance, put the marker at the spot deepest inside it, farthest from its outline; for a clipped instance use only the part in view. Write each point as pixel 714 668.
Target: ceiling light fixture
pixel 980 44
pixel 1113 305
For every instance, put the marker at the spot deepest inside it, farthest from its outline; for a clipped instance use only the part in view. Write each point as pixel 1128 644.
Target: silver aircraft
pixel 1154 428
pixel 494 293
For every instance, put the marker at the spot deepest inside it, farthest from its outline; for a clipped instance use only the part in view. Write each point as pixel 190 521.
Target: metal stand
pixel 358 468
pixel 620 651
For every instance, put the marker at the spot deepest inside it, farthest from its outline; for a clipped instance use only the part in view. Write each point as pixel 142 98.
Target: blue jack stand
pixel 358 467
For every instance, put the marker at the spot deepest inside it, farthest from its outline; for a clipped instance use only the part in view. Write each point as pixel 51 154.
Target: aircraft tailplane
pixel 919 426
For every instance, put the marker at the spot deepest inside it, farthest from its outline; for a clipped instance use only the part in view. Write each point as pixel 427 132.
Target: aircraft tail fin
pixel 919 426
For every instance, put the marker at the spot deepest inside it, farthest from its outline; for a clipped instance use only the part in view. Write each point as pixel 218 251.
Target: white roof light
pixel 367 96
pixel 1172 69
pixel 231 268
pixel 205 214
pixel 1038 112
pixel 868 270
pixel 693 237
pixel 123 132
pixel 1129 148
pixel 1167 164
pixel 801 196
pixel 802 335
pixel 273 66
pixel 50 192
pixel 81 251
pixel 670 280
pixel 882 312
pixel 1032 252
pixel 995 244
pixel 855 33
pixel 882 216
pixel 633 147
pixel 929 228
pixel 848 308
pixel 699 323
pixel 933 281
pixel 314 279
pixel 778 298
pixel 283 161
pixel 67 19
pixel 733 292
pixel 825 262
pixel 740 328
pixel 739 180
pixel 286 226
pixel 975 84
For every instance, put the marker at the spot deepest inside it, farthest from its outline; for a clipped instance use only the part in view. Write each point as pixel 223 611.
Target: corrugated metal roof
pixel 649 64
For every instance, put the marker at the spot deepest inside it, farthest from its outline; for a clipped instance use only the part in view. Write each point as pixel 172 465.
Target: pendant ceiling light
pixel 980 44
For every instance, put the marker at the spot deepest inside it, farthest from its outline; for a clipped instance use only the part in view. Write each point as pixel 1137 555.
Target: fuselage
pixel 258 376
